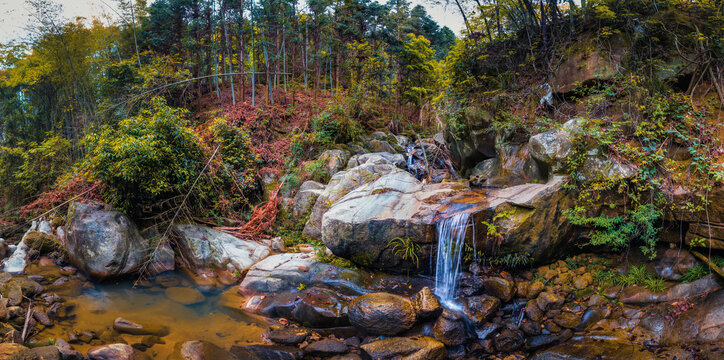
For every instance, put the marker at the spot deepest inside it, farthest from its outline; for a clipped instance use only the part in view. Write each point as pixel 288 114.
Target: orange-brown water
pixel 94 307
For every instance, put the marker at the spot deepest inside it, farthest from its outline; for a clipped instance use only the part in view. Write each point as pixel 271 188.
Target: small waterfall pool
pixel 451 233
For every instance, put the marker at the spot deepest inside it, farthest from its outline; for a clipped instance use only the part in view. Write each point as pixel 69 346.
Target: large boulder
pixel 528 217
pixel 376 158
pixel 513 166
pixel 478 143
pixel 103 242
pixel 382 314
pixel 406 348
pixel 208 248
pixel 341 184
pixel 362 224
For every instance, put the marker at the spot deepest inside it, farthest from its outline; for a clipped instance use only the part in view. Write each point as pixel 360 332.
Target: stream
pixel 92 308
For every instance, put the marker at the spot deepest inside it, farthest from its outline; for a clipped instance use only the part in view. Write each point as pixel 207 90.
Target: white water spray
pixel 450 239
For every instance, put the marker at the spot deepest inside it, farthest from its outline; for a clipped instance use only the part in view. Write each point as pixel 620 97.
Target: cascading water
pixel 450 239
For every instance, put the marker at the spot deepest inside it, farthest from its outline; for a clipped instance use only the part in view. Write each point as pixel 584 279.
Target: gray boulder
pixel 361 225
pixel 103 242
pixel 342 183
pixel 208 248
pixel 406 348
pixel 376 158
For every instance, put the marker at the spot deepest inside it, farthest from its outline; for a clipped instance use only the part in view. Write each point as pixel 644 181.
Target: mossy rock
pixel 41 241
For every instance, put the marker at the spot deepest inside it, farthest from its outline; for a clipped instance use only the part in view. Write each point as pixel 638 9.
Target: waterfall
pixel 450 239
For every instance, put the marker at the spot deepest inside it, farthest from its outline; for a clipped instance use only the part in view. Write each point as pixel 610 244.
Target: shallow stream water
pixel 92 308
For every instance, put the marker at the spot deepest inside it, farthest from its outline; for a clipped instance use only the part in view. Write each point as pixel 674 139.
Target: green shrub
pixel 149 157
pixel 31 168
pixel 237 155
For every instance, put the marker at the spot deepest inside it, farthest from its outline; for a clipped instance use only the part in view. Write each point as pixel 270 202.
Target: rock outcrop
pixel 341 184
pixel 361 225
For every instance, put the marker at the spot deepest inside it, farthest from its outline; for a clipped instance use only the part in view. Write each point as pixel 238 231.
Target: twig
pixel 27 321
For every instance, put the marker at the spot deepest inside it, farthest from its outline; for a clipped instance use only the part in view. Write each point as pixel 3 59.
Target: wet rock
pixel 406 348
pixel 500 288
pixel 533 312
pixel 326 347
pixel 184 295
pixel 201 350
pixel 129 327
pixel 673 263
pixel 282 272
pixel 208 248
pixel 548 300
pixel 639 295
pixel 319 307
pixel 535 289
pixel 266 352
pixel 40 353
pixel 596 300
pixel 8 351
pixel 485 330
pixel 112 352
pixel 478 309
pixel 583 281
pixel 508 340
pixel 591 317
pixel 567 320
pixel 360 225
pixel 103 242
pixel 382 313
pixel 343 183
pixel 13 293
pixel 288 336
pixel 450 329
pixel 703 323
pixel 41 317
pixel 426 304
pixel 305 197
pixel 585 349
pixel 539 341
pixel 40 241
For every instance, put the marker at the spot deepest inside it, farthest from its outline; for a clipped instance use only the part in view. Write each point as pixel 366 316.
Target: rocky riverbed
pixel 289 306
pixel 91 285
